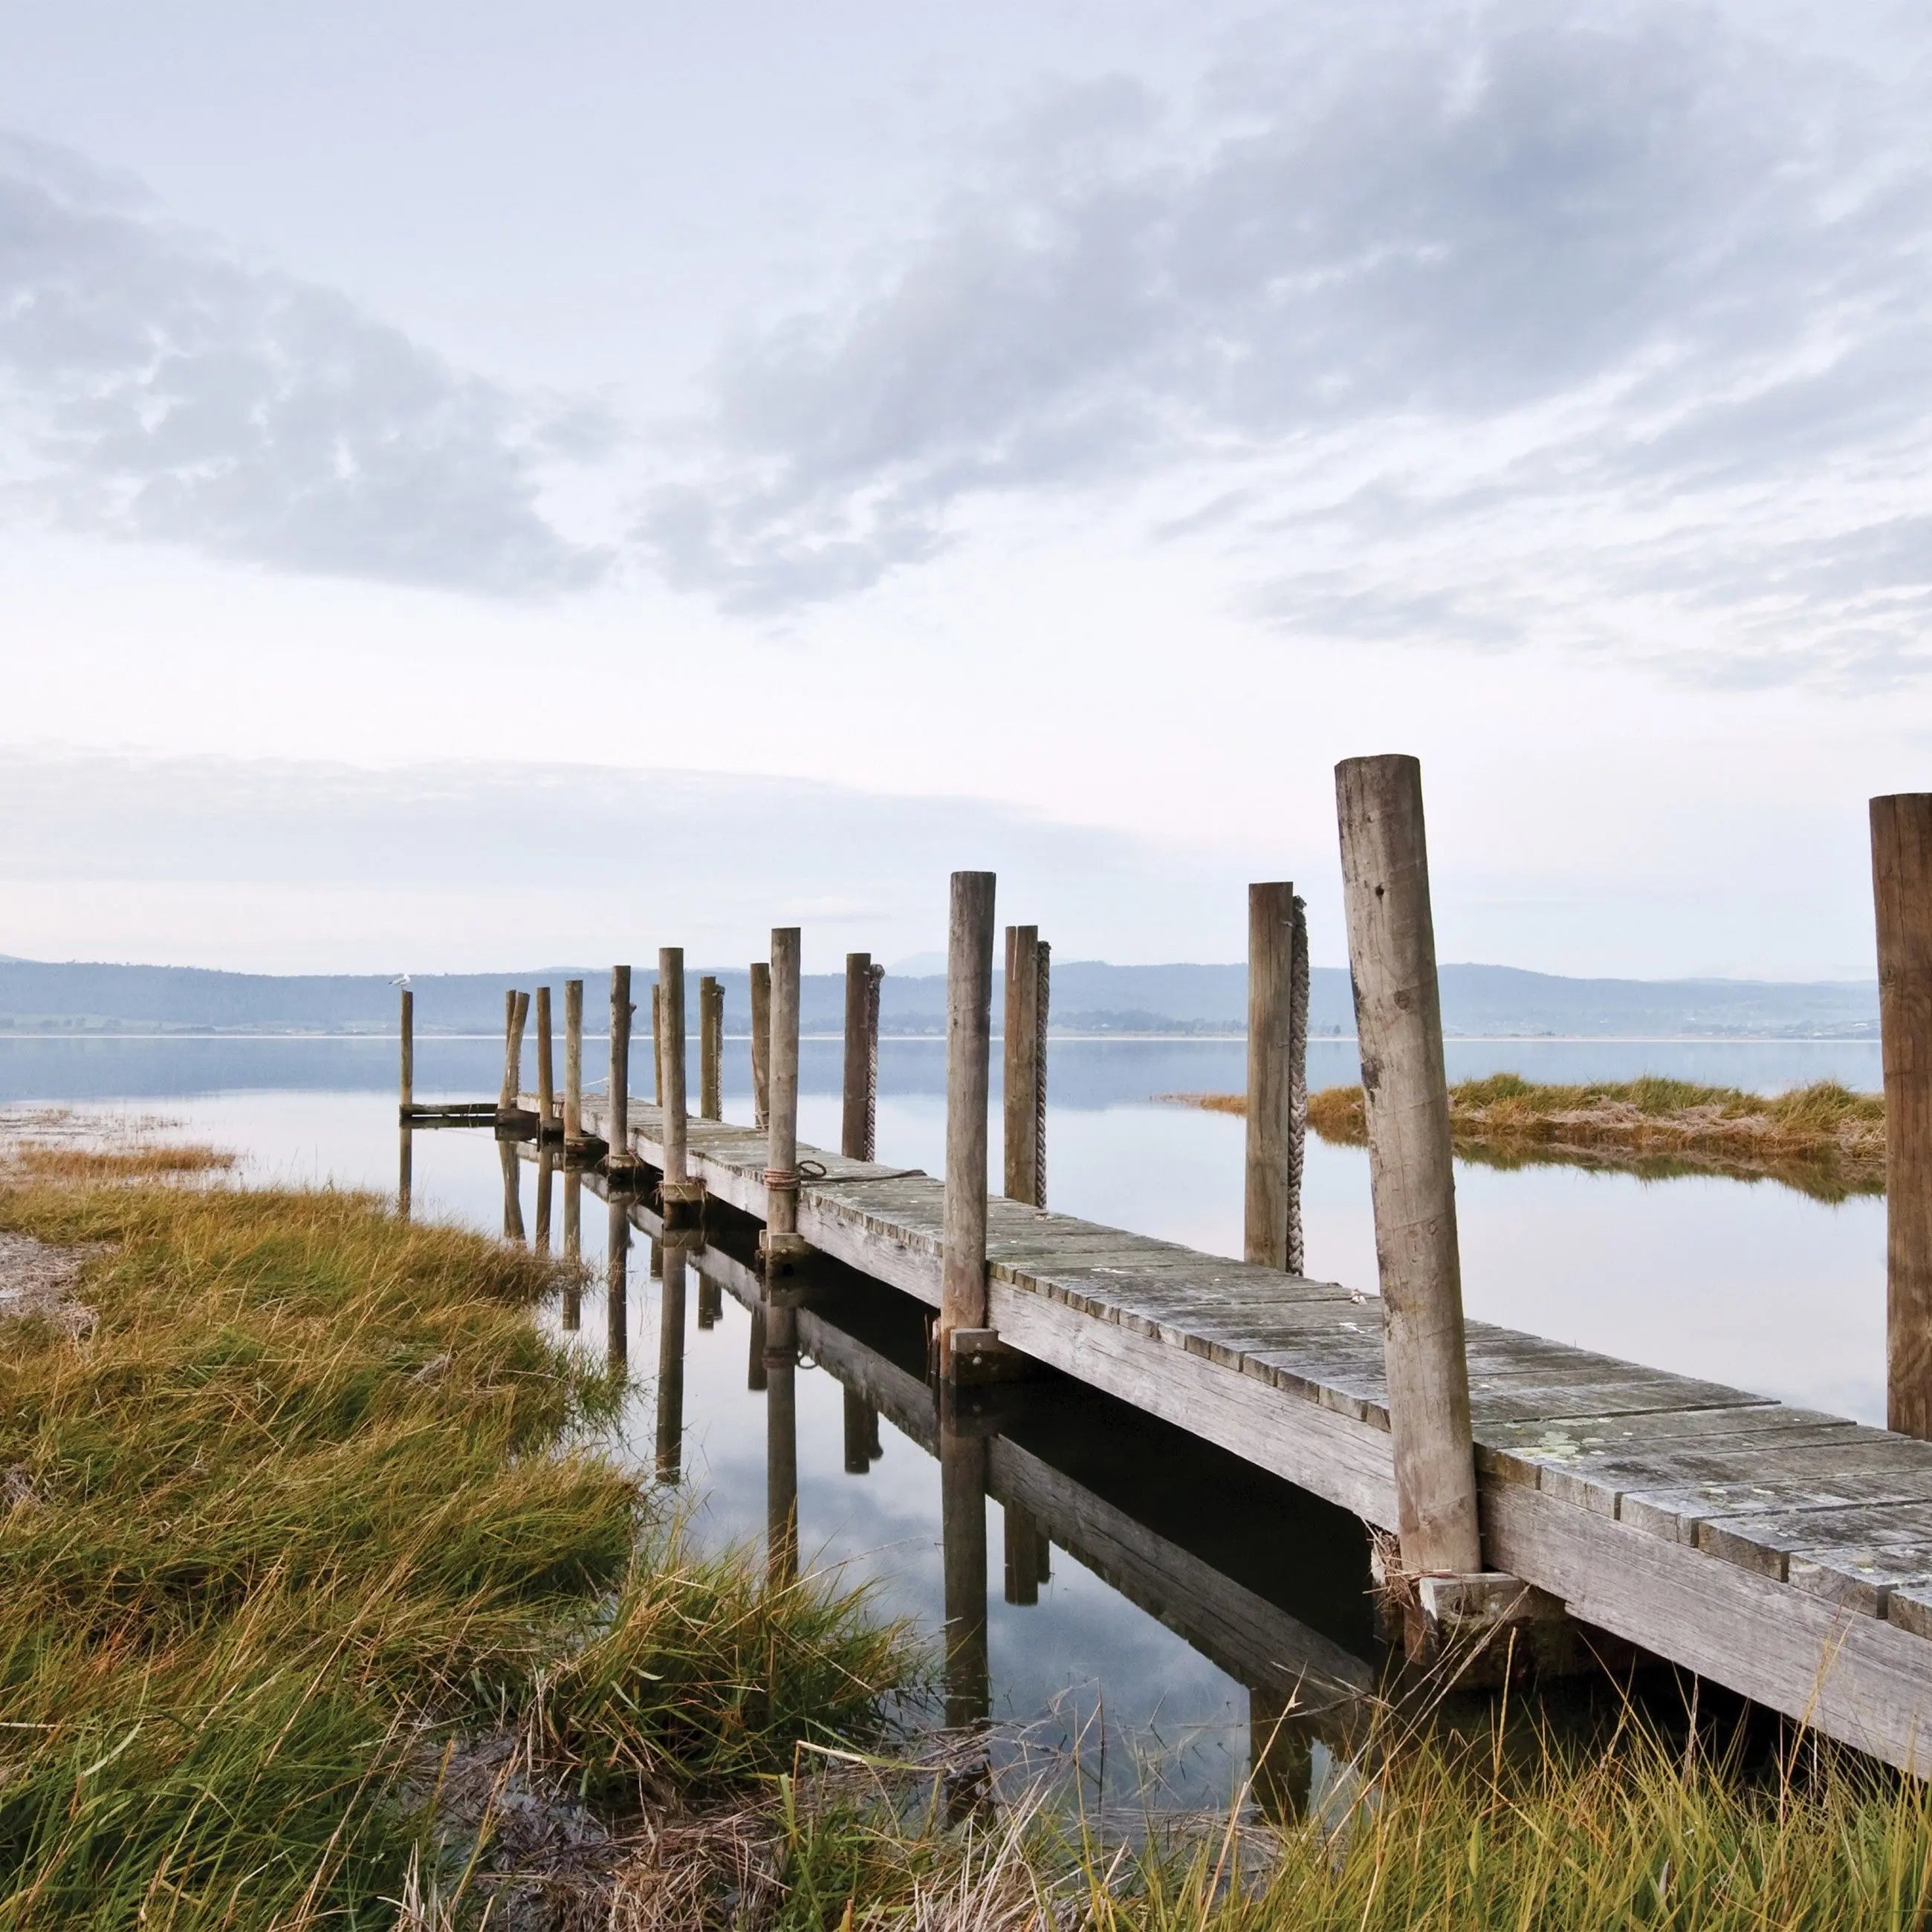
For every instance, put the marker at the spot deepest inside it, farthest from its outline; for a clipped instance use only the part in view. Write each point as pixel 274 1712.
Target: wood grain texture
pixel 782 1144
pixel 406 1036
pixel 618 1135
pixel 856 1107
pixel 546 1081
pixel 1901 853
pixel 761 1043
pixel 573 1060
pixel 969 1030
pixel 1399 1021
pixel 1020 1068
pixel 675 1164
pixel 1269 1122
pixel 710 1049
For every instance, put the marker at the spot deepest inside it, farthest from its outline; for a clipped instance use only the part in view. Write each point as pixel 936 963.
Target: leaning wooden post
pixel 859 1110
pixel 546 1085
pixel 1277 1075
pixel 516 1010
pixel 710 1049
pixel 761 1043
pixel 780 1243
pixel 620 1155
pixel 681 1195
pixel 1901 843
pixel 1399 1022
pixel 408 1038
pixel 969 1031
pixel 1023 1078
pixel 573 1061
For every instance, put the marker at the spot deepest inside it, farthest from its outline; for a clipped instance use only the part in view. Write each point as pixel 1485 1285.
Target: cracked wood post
pixel 1398 1023
pixel 407 1037
pixel 856 1115
pixel 516 1010
pixel 620 1155
pixel 1273 1207
pixel 1022 1070
pixel 710 1049
pixel 780 1243
pixel 761 1043
pixel 573 1061
pixel 1901 851
pixel 546 1085
pixel 681 1196
pixel 969 1030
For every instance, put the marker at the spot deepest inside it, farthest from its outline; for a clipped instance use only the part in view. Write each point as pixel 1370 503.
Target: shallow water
pixel 1749 1284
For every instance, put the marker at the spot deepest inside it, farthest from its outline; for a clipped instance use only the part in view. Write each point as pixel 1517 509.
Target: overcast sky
pixel 487 478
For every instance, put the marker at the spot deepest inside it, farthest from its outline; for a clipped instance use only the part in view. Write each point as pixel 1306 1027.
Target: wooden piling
pixel 573 1246
pixel 573 1061
pixel 1021 1539
pixel 780 1243
pixel 546 1171
pixel 616 1286
pixel 1901 848
pixel 781 1364
pixel 546 1091
pixel 670 1365
pixel 679 1191
pixel 710 1049
pixel 1277 1076
pixel 657 1043
pixel 620 1154
pixel 1023 1078
pixel 969 1026
pixel 516 1010
pixel 1399 1018
pixel 761 1043
pixel 855 1113
pixel 408 1038
pixel 513 1194
pixel 405 1173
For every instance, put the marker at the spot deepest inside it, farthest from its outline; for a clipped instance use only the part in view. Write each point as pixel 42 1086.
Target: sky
pixel 587 476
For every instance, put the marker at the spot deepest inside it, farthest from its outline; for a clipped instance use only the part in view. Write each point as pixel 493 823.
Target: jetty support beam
pixel 780 1243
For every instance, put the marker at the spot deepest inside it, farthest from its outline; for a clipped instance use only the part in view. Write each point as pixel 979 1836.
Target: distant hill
pixel 1088 996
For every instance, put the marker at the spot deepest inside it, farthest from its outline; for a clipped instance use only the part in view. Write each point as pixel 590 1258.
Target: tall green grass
pixel 310 1502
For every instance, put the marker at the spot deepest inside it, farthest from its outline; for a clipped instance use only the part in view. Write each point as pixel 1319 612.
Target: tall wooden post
pixel 1901 842
pixel 1277 1075
pixel 573 1061
pixel 616 1286
pixel 516 1010
pixel 1024 1083
pixel 408 1038
pixel 781 1367
pixel 546 1085
pixel 671 1091
pixel 710 1049
pixel 621 1010
pixel 969 1030
pixel 761 1043
pixel 657 1042
pixel 780 1243
pixel 858 1117
pixel 1398 1019
pixel 670 1365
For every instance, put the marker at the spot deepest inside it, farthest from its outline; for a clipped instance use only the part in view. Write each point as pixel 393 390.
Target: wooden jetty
pixel 1784 1553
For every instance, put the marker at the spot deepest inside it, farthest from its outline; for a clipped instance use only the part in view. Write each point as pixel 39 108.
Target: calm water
pixel 1128 1644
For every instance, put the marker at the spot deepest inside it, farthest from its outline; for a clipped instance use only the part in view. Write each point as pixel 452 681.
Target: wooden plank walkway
pixel 1784 1553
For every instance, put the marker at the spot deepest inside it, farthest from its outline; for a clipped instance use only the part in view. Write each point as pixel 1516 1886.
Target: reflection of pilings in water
pixel 617 1330
pixel 670 1365
pixel 1281 1757
pixel 710 1301
pixel 513 1194
pixel 1022 1542
pixel 657 1258
pixel 755 1370
pixel 1042 1561
pixel 405 1173
pixel 573 1248
pixel 862 1433
pixel 781 1364
pixel 962 1514
pixel 540 1240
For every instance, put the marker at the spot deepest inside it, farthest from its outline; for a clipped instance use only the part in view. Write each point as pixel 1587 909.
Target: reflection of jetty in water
pixel 1269 1585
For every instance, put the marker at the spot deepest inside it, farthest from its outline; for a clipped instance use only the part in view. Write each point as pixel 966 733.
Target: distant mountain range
pixel 1088 997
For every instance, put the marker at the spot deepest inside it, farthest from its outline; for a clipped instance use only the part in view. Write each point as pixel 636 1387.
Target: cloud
pixel 156 387
pixel 1468 324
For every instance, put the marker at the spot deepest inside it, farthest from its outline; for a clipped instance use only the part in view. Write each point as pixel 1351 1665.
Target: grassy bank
pixel 299 1543
pixel 1823 1139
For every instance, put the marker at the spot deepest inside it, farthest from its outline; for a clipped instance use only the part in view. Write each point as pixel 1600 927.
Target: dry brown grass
pixel 1823 1139
pixel 101 1167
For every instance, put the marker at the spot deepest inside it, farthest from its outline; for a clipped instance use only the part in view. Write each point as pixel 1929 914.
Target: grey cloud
pixel 1663 254
pixel 161 388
